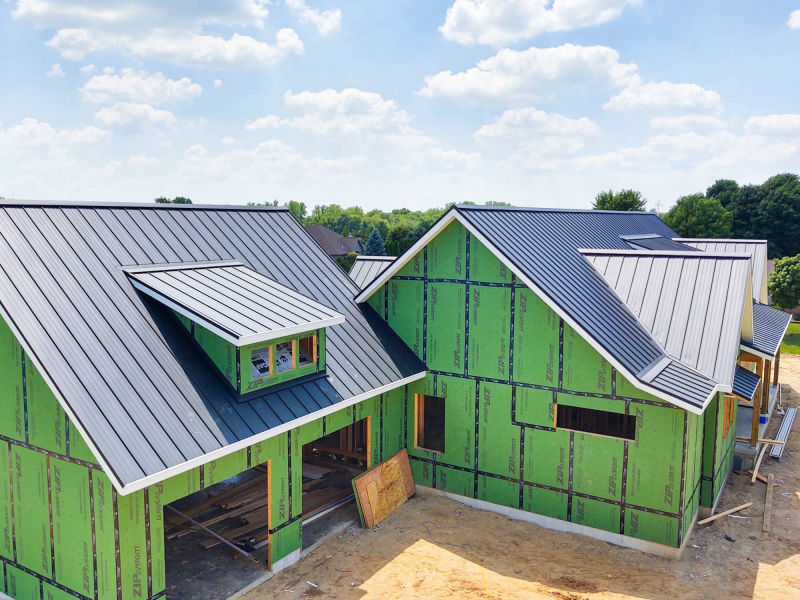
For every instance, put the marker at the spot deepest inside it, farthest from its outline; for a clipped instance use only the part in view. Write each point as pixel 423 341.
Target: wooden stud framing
pixel 766 388
pixel 757 403
pixel 777 366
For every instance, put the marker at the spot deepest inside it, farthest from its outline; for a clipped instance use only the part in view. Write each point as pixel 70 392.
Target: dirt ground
pixel 435 548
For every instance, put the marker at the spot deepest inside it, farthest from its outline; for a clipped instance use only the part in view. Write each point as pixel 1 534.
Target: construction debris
pixel 725 513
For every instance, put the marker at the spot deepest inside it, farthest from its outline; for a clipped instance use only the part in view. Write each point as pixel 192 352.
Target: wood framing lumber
pixel 215 535
pixel 730 511
pixel 768 503
pixel 758 462
pixel 760 441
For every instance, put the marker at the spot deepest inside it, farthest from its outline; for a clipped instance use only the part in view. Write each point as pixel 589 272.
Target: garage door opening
pixel 216 540
pixel 329 465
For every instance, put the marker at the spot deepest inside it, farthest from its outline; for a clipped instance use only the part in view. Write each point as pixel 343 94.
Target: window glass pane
pixel 259 363
pixel 284 361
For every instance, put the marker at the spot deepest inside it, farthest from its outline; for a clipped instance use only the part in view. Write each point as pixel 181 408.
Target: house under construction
pixel 206 381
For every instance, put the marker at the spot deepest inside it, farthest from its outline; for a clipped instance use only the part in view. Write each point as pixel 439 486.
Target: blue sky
pixel 395 104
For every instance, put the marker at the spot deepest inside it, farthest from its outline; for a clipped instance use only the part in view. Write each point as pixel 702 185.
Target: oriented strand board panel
pixel 384 488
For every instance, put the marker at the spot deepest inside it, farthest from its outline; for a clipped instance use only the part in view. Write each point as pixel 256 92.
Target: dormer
pixel 256 331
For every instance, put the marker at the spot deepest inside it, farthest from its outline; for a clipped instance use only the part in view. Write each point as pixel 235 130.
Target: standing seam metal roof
pixel 111 356
pixel 366 268
pixel 757 249
pixel 238 303
pixel 769 327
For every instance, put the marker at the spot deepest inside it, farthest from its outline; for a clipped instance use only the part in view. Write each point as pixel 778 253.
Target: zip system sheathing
pixel 504 360
pixel 67 534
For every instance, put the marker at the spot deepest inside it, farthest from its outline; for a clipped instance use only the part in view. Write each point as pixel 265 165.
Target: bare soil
pixel 435 548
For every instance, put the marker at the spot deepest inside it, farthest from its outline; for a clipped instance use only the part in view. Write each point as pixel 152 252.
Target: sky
pixel 395 104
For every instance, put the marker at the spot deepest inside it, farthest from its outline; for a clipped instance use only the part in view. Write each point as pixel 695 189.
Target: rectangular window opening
pixel 307 350
pixel 260 363
pixel 600 422
pixel 429 416
pixel 285 357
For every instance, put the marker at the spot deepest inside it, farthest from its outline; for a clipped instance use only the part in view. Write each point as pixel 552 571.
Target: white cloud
pixel 130 85
pixel 502 22
pixel 172 32
pixel 535 74
pixel 776 125
pixel 263 123
pixel 87 69
pixel 141 160
pixel 326 21
pixel 686 122
pixel 217 83
pixel 131 117
pixel 794 20
pixel 56 71
pixel 229 141
pixel 535 138
pixel 32 133
pixel 179 47
pixel 664 95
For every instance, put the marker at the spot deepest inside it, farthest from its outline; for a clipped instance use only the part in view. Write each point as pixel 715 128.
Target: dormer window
pixel 260 363
pixel 284 357
pixel 307 350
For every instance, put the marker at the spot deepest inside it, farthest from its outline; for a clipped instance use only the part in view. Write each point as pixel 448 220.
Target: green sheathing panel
pixel 6 540
pixel 12 417
pixel 21 585
pixel 78 448
pixel 521 361
pixel 46 422
pixel 72 526
pixel 31 510
pixel 222 353
pixel 717 451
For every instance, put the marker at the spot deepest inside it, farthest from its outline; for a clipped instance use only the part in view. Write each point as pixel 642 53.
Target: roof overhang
pixel 234 302
pixel 454 215
pixel 745 383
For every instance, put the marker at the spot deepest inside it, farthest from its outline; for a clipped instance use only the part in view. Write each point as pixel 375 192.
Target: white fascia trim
pixel 229 336
pixel 260 437
pixel 751 350
pixel 401 261
pixel 74 422
pixel 572 323
pixel 183 266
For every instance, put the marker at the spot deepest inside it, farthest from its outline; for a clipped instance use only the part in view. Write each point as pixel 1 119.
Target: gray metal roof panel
pixel 67 297
pixel 691 302
pixel 769 327
pixel 757 249
pixel 745 383
pixel 244 304
pixel 653 242
pixel 366 268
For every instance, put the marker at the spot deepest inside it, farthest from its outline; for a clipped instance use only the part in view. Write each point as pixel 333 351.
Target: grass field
pixel 791 343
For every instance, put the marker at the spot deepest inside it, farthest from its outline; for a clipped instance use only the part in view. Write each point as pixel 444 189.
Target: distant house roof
pixel 138 389
pixel 238 304
pixel 691 302
pixel 333 243
pixel 769 327
pixel 757 249
pixel 366 268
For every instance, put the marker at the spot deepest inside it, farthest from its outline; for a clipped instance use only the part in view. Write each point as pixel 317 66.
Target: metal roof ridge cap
pixel 485 207
pixel 27 203
pixel 652 370
pixel 161 267
pixel 725 240
pixel 665 253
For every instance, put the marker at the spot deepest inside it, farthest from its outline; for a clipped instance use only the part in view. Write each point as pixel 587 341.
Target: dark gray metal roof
pixel 745 383
pixel 757 249
pixel 118 370
pixel 691 302
pixel 769 327
pixel 366 268
pixel 544 244
pixel 653 242
pixel 237 303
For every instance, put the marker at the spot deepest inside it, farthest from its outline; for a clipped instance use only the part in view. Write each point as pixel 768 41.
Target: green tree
pixel 375 245
pixel 175 200
pixel 346 261
pixel 724 190
pixel 696 216
pixel 298 209
pixel 629 200
pixel 399 240
pixel 784 282
pixel 778 217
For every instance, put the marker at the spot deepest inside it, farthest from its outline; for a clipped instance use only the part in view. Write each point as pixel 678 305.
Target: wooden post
pixel 777 366
pixel 757 404
pixel 767 381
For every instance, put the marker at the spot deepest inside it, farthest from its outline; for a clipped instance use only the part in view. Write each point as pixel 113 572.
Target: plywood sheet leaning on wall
pixel 384 488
